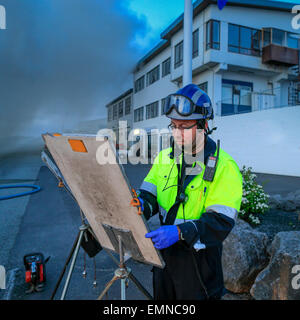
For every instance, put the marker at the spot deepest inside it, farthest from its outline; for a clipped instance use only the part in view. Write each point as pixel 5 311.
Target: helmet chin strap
pixel 202 124
pixel 208 131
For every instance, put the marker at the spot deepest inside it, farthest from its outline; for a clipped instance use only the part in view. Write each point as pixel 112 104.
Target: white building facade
pixel 120 109
pixel 246 57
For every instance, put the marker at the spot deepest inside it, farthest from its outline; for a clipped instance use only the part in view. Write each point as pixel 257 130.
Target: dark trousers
pixel 179 279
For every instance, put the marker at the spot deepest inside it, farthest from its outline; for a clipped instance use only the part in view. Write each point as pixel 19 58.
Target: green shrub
pixel 254 200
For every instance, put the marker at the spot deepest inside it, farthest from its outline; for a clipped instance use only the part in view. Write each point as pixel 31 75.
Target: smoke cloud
pixel 61 61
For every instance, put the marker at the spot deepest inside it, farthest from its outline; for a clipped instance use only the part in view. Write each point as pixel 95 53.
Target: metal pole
pixel 122 268
pixel 121 253
pixel 82 230
pixel 187 42
pixel 123 289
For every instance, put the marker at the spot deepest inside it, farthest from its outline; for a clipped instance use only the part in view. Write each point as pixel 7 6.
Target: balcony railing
pixel 260 100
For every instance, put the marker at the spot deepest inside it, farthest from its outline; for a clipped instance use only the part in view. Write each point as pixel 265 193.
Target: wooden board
pixel 102 191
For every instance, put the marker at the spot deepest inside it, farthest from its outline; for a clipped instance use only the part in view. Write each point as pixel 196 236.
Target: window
pixel 292 41
pixel 256 41
pixel 280 38
pixel 178 55
pixel 127 105
pixel 109 113
pixel 153 75
pixel 139 114
pixel 244 40
pixel 203 86
pixel 139 84
pixel 226 93
pixel 236 97
pixel 245 95
pixel 152 110
pixel 121 109
pixel 213 35
pixel 233 38
pixel 166 67
pixel 267 37
pixel 115 112
pixel 163 102
pixel 195 43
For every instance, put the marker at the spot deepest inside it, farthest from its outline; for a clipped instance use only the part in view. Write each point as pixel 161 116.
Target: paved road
pixel 49 225
pixel 48 222
pixel 277 184
pixel 15 170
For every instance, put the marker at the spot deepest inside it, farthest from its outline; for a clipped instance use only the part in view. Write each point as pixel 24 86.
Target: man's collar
pixel 209 149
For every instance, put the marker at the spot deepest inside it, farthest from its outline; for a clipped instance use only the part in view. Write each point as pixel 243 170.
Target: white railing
pixel 266 99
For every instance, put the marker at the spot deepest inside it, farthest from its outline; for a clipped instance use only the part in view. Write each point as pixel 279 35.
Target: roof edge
pixel 200 5
pixel 123 95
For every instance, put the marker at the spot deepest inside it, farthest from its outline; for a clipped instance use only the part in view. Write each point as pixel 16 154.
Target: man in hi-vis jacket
pixel 196 188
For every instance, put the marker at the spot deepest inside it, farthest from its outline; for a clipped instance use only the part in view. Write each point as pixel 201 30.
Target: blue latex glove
pixel 164 236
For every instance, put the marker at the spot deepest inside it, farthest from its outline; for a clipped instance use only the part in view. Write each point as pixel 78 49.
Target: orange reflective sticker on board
pixel 77 145
pixel 56 134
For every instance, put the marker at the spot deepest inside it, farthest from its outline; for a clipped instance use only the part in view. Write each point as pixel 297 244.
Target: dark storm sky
pixel 61 61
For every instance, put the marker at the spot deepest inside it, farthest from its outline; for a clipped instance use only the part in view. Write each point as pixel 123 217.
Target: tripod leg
pixel 65 266
pixel 139 286
pixel 123 289
pixel 107 287
pixel 72 265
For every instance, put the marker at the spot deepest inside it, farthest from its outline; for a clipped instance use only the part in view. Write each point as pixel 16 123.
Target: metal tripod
pixel 123 273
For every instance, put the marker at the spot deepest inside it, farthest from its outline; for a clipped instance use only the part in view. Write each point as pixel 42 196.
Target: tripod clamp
pixel 121 273
pixel 124 274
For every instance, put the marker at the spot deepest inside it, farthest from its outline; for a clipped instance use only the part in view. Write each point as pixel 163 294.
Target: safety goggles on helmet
pixel 183 106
